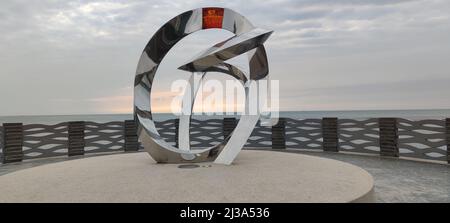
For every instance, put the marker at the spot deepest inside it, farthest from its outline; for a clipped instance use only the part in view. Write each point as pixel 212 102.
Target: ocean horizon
pixel 413 114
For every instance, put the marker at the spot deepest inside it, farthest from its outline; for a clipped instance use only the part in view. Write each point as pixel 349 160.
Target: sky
pixel 80 57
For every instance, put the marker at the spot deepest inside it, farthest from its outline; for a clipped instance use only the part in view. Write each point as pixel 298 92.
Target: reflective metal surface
pixel 247 39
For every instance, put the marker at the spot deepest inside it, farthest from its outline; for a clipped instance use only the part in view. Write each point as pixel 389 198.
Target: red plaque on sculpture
pixel 212 18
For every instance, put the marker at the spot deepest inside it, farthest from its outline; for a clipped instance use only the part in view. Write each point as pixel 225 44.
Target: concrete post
pixel 229 124
pixel 130 136
pixel 330 134
pixel 388 137
pixel 177 127
pixel 12 142
pixel 279 134
pixel 447 127
pixel 76 138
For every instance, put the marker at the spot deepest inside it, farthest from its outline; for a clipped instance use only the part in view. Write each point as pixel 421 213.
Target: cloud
pixel 72 56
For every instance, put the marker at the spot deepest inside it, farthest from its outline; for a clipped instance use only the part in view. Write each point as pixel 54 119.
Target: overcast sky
pixel 79 57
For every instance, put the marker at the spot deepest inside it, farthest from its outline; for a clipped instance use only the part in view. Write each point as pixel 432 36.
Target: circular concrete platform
pixel 255 176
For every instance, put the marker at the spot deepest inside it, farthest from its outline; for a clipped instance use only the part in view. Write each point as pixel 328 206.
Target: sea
pixel 353 114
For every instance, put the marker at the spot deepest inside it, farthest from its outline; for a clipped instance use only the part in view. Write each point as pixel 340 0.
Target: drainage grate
pixel 188 166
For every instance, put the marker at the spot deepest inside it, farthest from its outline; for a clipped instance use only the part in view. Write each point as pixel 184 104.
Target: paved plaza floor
pixel 396 180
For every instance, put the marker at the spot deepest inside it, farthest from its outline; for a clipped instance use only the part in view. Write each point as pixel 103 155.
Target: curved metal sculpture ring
pixel 247 39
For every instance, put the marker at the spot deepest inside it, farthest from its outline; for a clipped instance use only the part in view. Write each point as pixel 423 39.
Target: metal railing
pixel 393 137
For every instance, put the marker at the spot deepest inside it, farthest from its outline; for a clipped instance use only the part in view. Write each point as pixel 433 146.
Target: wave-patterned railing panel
pixel 206 133
pixel 361 136
pixel 261 137
pixel 41 141
pixel 167 130
pixel 423 139
pixel 103 137
pixel 304 133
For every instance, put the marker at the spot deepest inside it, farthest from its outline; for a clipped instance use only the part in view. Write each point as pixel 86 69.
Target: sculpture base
pixel 255 176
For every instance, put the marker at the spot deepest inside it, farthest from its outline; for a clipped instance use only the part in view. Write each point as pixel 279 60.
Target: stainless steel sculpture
pixel 247 39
